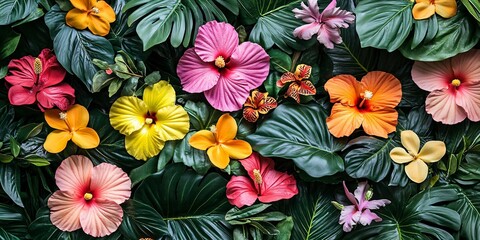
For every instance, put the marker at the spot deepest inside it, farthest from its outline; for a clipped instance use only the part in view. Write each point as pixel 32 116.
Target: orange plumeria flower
pixel 69 125
pixel 220 143
pixel 424 9
pixel 92 14
pixel 299 85
pixel 256 104
pixel 369 103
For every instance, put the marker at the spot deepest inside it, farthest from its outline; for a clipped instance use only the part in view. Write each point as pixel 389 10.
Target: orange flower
pixel 256 104
pixel 369 103
pixel 220 143
pixel 424 9
pixel 299 85
pixel 92 14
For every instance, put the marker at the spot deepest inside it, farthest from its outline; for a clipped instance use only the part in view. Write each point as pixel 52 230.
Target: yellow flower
pixel 220 143
pixel 69 125
pixel 149 123
pixel 417 169
pixel 92 14
pixel 424 9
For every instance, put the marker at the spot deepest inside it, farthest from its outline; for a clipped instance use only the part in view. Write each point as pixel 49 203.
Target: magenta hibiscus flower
pixel 326 24
pixel 89 197
pixel 360 212
pixel 264 183
pixel 454 86
pixel 39 80
pixel 220 68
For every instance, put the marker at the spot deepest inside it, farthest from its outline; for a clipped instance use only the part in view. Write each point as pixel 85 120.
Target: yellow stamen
pixel 456 82
pixel 63 115
pixel 367 95
pixel 213 129
pixel 257 176
pixel 95 10
pixel 220 62
pixel 148 121
pixel 37 66
pixel 88 196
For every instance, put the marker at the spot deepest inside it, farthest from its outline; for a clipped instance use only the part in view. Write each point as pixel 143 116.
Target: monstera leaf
pixel 468 206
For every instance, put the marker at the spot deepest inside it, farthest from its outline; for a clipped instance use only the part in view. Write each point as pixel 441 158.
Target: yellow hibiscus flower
pixel 148 123
pixel 92 14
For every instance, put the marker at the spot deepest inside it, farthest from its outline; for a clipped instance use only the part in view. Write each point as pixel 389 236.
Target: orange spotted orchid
pixel 258 103
pixel 299 85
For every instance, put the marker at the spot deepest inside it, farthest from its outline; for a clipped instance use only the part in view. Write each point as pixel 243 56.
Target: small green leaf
pixel 10 181
pixel 4 158
pixel 14 147
pixel 285 229
pixel 8 41
pixel 236 213
pixel 142 172
pixel 280 61
pixel 28 131
pixel 37 161
pixel 114 86
pixel 153 78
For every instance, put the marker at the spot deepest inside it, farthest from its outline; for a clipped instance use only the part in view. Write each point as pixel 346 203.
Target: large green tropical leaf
pixel 8 42
pixel 14 10
pixel 4 235
pixel 13 220
pixel 468 206
pixel 192 205
pixel 141 220
pixel 300 133
pixel 177 19
pixel 192 157
pixel 473 6
pixel 10 182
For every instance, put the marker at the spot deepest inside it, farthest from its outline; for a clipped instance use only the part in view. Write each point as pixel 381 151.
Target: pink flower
pixel 454 86
pixel 220 68
pixel 89 196
pixel 264 183
pixel 360 210
pixel 326 24
pixel 39 80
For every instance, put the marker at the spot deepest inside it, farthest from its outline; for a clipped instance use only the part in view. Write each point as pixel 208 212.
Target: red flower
pixel 256 104
pixel 299 85
pixel 39 80
pixel 264 183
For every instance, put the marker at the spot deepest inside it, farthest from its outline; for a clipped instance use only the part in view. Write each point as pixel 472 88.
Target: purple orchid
pixel 360 210
pixel 326 24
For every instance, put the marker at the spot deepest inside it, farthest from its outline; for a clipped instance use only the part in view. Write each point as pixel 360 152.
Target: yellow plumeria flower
pixel 220 143
pixel 424 9
pixel 417 168
pixel 148 123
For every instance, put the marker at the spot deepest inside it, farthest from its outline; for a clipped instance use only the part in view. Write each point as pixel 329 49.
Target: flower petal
pixel 303 71
pixel 195 75
pixel 293 91
pixel 226 128
pixel 241 192
pixel 328 36
pixel 344 89
pixel 172 123
pixel 83 4
pixel 159 95
pixel 21 72
pixel 431 76
pixel 343 120
pixel 250 114
pixel 98 25
pixel 307 88
pixel 276 186
pixel 101 218
pixel 267 105
pixel 360 192
pixel 77 117
pixel 18 95
pixel 386 89
pixel 249 63
pixel 308 14
pixel 127 114
pixel 467 67
pixel 468 97
pixel 256 161
pixel 144 143
pixel 306 31
pixel 381 122
pixel 423 10
pixel 57 140
pixel 86 138
pixel 77 18
pixel 215 39
pixel 61 96
pixel 432 151
pixel 237 149
pixel 347 218
pixel 52 117
pixel 349 195
pixel 65 210
pixel 286 78
pixel 52 72
pixel 417 171
pixel 376 204
pixel 410 141
pixel 218 157
pixel 399 155
pixel 367 217
pixel 335 17
pixel 202 140
pixel 73 175
pixel 105 11
pixel 110 182
pixel 442 106
pixel 446 8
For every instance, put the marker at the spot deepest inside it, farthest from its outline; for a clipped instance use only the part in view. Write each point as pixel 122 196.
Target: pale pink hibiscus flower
pixel 326 24
pixel 263 182
pixel 360 212
pixel 39 80
pixel 89 197
pixel 454 86
pixel 220 68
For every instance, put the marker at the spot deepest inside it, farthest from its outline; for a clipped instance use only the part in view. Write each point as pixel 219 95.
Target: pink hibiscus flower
pixel 454 86
pixel 264 183
pixel 360 212
pixel 326 24
pixel 89 196
pixel 39 80
pixel 220 68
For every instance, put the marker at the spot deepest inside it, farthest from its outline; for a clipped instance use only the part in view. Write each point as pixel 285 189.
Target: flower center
pixel 257 176
pixel 37 66
pixel 148 121
pixel 220 62
pixel 63 115
pixel 88 196
pixel 367 95
pixel 456 82
pixel 213 129
pixel 95 10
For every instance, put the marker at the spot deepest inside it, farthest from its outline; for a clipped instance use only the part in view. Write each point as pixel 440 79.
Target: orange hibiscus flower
pixel 299 85
pixel 92 14
pixel 369 103
pixel 256 104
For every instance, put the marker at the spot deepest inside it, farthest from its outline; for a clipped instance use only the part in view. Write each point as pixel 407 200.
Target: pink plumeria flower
pixel 89 197
pixel 326 24
pixel 263 183
pixel 220 68
pixel 360 212
pixel 39 80
pixel 454 86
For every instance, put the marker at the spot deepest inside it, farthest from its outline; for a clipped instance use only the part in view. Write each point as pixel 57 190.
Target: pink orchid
pixel 454 86
pixel 39 80
pixel 220 68
pixel 360 212
pixel 264 183
pixel 89 196
pixel 326 24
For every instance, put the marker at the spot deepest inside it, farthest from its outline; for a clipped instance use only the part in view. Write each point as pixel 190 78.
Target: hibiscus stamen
pixel 367 95
pixel 220 62
pixel 456 82
pixel 63 115
pixel 37 66
pixel 148 121
pixel 88 196
pixel 95 10
pixel 257 176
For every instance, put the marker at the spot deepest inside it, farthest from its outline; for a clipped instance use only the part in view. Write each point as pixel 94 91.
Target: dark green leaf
pixel 285 228
pixel 280 61
pixel 10 181
pixel 14 147
pixel 192 157
pixel 142 172
pixel 14 10
pixel 114 86
pixel 202 116
pixel 38 13
pixel 468 206
pixel 141 220
pixel 8 42
pixel 473 6
pixel 271 84
pixel 4 235
pixel 28 131
pixel 5 158
pixel 12 219
pixel 37 161
pixel 152 78
pixel 236 213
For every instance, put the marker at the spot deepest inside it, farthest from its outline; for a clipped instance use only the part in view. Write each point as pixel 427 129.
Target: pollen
pixel 37 66
pixel 63 115
pixel 220 62
pixel 257 176
pixel 367 95
pixel 456 82
pixel 95 10
pixel 213 129
pixel 88 196
pixel 148 121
